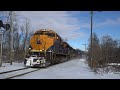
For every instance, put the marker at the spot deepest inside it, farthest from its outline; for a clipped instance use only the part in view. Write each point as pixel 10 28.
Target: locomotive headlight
pixel 44 61
pixel 41 61
pixel 38 61
pixel 41 50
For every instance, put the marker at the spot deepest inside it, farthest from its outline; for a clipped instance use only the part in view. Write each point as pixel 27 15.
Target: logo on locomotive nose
pixel 39 42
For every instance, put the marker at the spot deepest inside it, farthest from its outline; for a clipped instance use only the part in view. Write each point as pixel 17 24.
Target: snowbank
pixel 7 66
pixel 74 69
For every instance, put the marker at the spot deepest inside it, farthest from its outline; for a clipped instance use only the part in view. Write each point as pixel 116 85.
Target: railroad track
pixel 13 70
pixel 18 72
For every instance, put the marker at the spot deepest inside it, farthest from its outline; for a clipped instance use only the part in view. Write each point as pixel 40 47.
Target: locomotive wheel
pixel 47 64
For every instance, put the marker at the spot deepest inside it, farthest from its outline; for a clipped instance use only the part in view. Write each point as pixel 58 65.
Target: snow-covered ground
pixel 7 66
pixel 73 69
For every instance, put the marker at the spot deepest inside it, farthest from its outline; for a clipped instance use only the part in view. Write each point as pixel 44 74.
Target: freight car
pixel 47 48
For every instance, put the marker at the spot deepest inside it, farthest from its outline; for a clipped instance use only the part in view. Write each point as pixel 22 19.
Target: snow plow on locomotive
pixel 47 48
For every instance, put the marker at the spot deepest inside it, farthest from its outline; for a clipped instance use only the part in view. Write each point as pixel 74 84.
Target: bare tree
pixel 26 32
pixel 7 35
pixel 95 52
pixel 104 52
pixel 21 36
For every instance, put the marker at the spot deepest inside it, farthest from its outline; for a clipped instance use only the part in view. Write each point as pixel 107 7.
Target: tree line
pixel 21 35
pixel 104 51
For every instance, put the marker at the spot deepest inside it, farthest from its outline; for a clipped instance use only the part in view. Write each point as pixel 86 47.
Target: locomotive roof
pixel 47 30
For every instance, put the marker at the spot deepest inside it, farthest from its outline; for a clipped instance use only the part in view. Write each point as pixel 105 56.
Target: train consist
pixel 47 48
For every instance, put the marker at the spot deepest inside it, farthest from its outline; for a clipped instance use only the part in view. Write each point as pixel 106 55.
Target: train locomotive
pixel 47 48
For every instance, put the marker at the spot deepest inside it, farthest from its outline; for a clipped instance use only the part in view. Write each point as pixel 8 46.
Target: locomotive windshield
pixel 45 33
pixel 33 53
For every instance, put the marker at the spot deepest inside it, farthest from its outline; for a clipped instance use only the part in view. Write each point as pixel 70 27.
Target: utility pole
pixel 85 50
pixel 1 25
pixel 26 31
pixel 91 13
pixel 1 34
pixel 0 51
pixel 6 27
pixel 85 46
pixel 11 39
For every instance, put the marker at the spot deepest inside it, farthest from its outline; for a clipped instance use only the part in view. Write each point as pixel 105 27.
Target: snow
pixel 114 64
pixel 73 69
pixel 11 74
pixel 7 66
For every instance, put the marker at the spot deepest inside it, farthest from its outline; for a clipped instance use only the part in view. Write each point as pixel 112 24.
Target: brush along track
pixel 16 73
